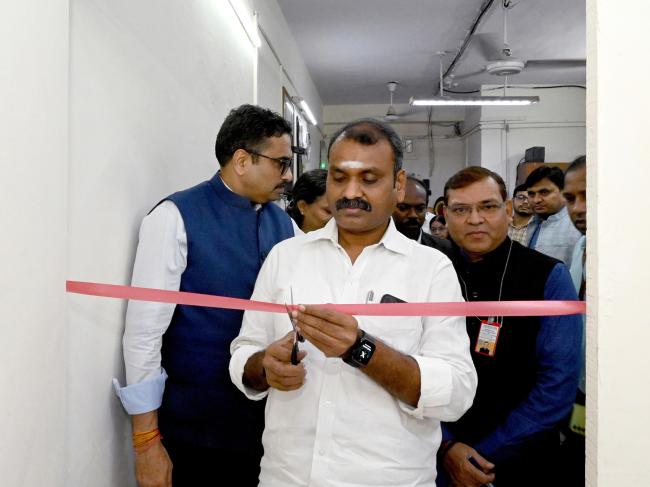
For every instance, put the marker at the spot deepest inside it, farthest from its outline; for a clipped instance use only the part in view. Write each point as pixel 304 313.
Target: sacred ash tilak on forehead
pixel 351 164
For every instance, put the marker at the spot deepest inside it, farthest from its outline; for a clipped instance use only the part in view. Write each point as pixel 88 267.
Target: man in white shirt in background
pixel 364 403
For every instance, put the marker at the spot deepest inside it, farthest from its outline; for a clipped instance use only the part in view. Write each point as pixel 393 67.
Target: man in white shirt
pixel 363 404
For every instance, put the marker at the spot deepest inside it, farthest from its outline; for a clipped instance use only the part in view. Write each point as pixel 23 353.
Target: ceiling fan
pixel 498 54
pixel 391 114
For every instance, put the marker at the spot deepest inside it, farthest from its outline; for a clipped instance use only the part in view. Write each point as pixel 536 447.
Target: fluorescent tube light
pixel 247 22
pixel 308 112
pixel 475 101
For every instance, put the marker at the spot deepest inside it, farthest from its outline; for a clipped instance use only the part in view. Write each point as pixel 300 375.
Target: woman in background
pixel 438 227
pixel 308 206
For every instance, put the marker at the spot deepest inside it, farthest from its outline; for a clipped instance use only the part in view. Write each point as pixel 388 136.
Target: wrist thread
pixel 144 440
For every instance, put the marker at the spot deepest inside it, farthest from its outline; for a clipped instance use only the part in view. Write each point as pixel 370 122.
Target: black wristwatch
pixel 361 352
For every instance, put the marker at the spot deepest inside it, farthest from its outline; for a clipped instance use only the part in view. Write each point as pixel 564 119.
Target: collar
pixel 563 213
pixel 392 239
pixel 512 225
pixel 229 196
pixel 494 258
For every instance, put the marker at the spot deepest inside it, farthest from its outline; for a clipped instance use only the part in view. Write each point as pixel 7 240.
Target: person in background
pixel 438 226
pixel 212 239
pixel 527 367
pixel 308 207
pixel 409 216
pixel 522 215
pixel 438 206
pixel 575 194
pixel 551 231
pixel 377 387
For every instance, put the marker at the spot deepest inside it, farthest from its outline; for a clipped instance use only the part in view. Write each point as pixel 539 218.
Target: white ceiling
pixel 353 47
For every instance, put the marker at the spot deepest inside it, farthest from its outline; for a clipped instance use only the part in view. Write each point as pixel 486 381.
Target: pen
pixel 473 461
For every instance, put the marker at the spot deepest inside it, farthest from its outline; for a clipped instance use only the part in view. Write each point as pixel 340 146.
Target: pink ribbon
pixel 474 308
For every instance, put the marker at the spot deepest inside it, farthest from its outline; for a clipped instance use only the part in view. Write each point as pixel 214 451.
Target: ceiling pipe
pixel 483 10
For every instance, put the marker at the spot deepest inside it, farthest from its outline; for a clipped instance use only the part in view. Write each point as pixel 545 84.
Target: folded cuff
pixel 435 387
pixel 236 369
pixel 142 397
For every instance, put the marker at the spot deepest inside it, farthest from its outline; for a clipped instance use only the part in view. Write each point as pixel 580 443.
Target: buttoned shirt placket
pixel 348 292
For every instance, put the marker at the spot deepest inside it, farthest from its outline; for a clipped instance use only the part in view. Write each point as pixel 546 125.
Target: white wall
pixel 33 215
pixel 618 325
pixel 448 150
pixel 151 82
pixel 499 139
pixel 273 78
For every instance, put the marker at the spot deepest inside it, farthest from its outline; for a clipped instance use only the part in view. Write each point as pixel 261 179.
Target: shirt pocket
pixel 399 332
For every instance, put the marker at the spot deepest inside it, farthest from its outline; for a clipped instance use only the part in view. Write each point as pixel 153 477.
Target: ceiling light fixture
pixel 305 108
pixel 444 100
pixel 475 101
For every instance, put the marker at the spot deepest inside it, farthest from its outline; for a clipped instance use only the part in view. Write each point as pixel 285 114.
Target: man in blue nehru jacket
pixel 211 238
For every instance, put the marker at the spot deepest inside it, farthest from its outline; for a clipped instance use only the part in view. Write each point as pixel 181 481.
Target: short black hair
pixel 521 187
pixel 369 131
pixel 308 188
pixel 471 175
pixel 578 163
pixel 552 173
pixel 247 127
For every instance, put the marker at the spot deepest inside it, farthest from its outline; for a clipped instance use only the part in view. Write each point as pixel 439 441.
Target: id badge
pixel 577 423
pixel 488 336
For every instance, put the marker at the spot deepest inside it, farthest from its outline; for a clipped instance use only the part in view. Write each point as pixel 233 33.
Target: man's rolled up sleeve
pixel 447 375
pixel 240 355
pixel 256 330
pixel 142 397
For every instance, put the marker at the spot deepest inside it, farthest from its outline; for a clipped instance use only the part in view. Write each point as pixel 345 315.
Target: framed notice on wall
pixel 301 140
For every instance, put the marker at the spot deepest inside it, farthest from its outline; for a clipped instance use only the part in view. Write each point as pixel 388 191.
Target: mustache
pixel 344 204
pixel 412 222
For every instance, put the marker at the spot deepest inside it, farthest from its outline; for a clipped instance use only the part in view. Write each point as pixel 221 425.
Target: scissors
pixel 298 337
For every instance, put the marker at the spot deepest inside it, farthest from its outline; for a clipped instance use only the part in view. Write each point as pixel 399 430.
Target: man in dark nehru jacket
pixel 211 238
pixel 409 216
pixel 527 366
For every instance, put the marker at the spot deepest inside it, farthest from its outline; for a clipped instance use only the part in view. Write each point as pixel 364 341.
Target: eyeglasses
pixel 521 197
pixel 483 209
pixel 285 162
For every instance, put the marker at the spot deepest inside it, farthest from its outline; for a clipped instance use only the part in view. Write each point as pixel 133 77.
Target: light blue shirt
pixel 556 236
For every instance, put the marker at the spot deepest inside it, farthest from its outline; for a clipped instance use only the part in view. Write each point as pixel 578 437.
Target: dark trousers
pixel 572 454
pixel 572 461
pixel 196 466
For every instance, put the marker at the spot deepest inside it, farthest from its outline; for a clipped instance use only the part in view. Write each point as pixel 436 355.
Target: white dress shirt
pixel 341 428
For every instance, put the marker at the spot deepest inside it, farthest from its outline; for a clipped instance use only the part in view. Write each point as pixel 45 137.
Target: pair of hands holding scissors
pixel 332 332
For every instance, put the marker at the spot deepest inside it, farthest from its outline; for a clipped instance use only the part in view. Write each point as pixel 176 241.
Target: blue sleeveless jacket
pixel 227 241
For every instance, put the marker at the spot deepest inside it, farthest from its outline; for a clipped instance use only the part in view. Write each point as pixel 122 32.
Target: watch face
pixel 363 353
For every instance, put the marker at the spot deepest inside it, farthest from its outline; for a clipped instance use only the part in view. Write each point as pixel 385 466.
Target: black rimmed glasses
pixel 521 197
pixel 285 162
